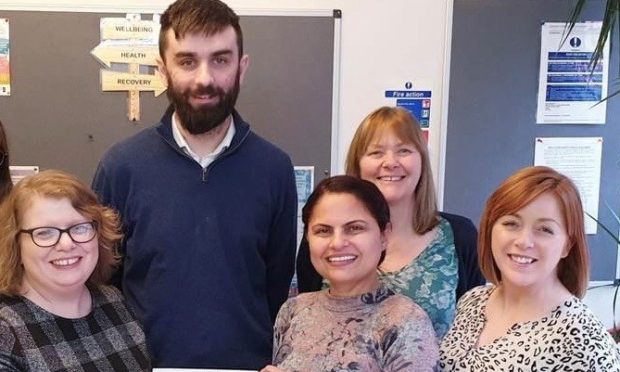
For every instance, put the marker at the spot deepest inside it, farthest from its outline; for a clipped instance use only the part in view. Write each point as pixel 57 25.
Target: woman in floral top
pixel 357 324
pixel 431 256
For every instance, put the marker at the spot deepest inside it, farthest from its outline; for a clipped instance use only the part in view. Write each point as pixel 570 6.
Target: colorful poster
pixel 568 92
pixel 5 71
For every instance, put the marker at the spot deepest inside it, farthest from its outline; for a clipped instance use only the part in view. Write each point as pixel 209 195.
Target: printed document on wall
pixel 304 178
pixel 579 158
pixel 5 71
pixel 568 91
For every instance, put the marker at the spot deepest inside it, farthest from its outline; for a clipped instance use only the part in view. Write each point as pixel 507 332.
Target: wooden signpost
pixel 130 41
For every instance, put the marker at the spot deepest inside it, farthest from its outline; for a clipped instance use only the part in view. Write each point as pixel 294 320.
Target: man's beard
pixel 206 117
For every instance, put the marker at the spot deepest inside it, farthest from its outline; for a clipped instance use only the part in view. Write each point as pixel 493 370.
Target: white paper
pixel 18 172
pixel 579 158
pixel 567 92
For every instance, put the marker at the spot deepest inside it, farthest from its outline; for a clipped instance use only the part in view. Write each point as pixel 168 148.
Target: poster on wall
pixel 5 71
pixel 416 98
pixel 579 158
pixel 304 179
pixel 568 92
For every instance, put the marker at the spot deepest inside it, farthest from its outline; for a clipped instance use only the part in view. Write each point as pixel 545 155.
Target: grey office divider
pixel 58 117
pixel 492 110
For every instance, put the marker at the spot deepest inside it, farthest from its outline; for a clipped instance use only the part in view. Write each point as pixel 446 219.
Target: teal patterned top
pixel 431 279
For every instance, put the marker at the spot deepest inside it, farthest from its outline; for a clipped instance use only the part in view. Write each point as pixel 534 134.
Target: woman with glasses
pixel 5 176
pixel 57 249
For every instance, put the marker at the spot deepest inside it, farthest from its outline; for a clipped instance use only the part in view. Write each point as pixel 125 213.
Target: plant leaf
pixel 611 17
pixel 572 20
pixel 612 212
pixel 613 236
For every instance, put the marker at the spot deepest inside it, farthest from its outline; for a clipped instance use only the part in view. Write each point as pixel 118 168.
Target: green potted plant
pixel 611 20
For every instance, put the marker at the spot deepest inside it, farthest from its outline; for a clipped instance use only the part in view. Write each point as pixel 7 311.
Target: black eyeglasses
pixel 48 236
pixel 3 155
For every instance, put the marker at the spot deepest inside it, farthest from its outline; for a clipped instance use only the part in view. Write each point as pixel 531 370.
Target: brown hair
pixel 207 17
pixel 400 122
pixel 5 176
pixel 54 184
pixel 519 190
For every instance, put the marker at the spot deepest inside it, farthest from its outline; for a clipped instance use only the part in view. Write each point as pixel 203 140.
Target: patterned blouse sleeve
pixel 8 353
pixel 600 352
pixel 410 345
pixel 281 347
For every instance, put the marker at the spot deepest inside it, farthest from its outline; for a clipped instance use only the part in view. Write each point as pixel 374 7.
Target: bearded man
pixel 208 207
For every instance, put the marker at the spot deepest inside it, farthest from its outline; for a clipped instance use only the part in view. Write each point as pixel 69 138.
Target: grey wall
pixel 58 117
pixel 492 109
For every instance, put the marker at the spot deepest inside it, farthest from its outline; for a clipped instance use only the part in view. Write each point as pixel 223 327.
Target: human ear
pixel 244 63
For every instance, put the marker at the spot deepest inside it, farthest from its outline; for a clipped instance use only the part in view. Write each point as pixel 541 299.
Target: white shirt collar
pixel 207 159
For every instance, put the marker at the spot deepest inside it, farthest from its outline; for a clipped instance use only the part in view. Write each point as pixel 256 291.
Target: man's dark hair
pixel 207 17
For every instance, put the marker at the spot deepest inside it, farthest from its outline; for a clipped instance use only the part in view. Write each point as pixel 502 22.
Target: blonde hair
pixel 519 190
pixel 58 185
pixel 400 122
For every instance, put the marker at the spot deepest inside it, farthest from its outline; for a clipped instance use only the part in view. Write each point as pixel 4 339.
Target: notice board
pixel 58 117
pixel 492 110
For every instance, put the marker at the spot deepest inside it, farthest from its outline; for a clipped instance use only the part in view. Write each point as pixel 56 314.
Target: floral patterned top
pixel 380 331
pixel 430 279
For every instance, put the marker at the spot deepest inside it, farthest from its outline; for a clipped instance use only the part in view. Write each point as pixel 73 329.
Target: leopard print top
pixel 570 338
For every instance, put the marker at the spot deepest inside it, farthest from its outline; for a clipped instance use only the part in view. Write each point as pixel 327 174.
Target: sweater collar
pixel 164 128
pixel 355 303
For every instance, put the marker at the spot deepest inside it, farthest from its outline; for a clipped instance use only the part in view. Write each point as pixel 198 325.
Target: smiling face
pixel 64 267
pixel 528 245
pixel 204 74
pixel 393 165
pixel 345 244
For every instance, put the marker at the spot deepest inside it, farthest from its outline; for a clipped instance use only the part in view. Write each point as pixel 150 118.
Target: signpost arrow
pixel 107 53
pixel 124 29
pixel 123 81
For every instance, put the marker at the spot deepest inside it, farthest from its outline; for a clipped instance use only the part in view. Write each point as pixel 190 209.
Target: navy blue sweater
pixel 208 255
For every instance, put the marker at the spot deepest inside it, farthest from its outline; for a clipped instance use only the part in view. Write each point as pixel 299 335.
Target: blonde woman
pixel 431 256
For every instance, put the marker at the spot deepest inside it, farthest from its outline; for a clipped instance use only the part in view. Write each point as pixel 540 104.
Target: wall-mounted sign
pixel 418 102
pixel 133 42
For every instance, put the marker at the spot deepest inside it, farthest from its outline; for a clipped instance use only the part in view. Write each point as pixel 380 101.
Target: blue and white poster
pixel 417 102
pixel 568 90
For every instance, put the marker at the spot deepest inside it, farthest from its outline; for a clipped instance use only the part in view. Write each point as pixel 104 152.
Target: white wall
pixel 381 47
